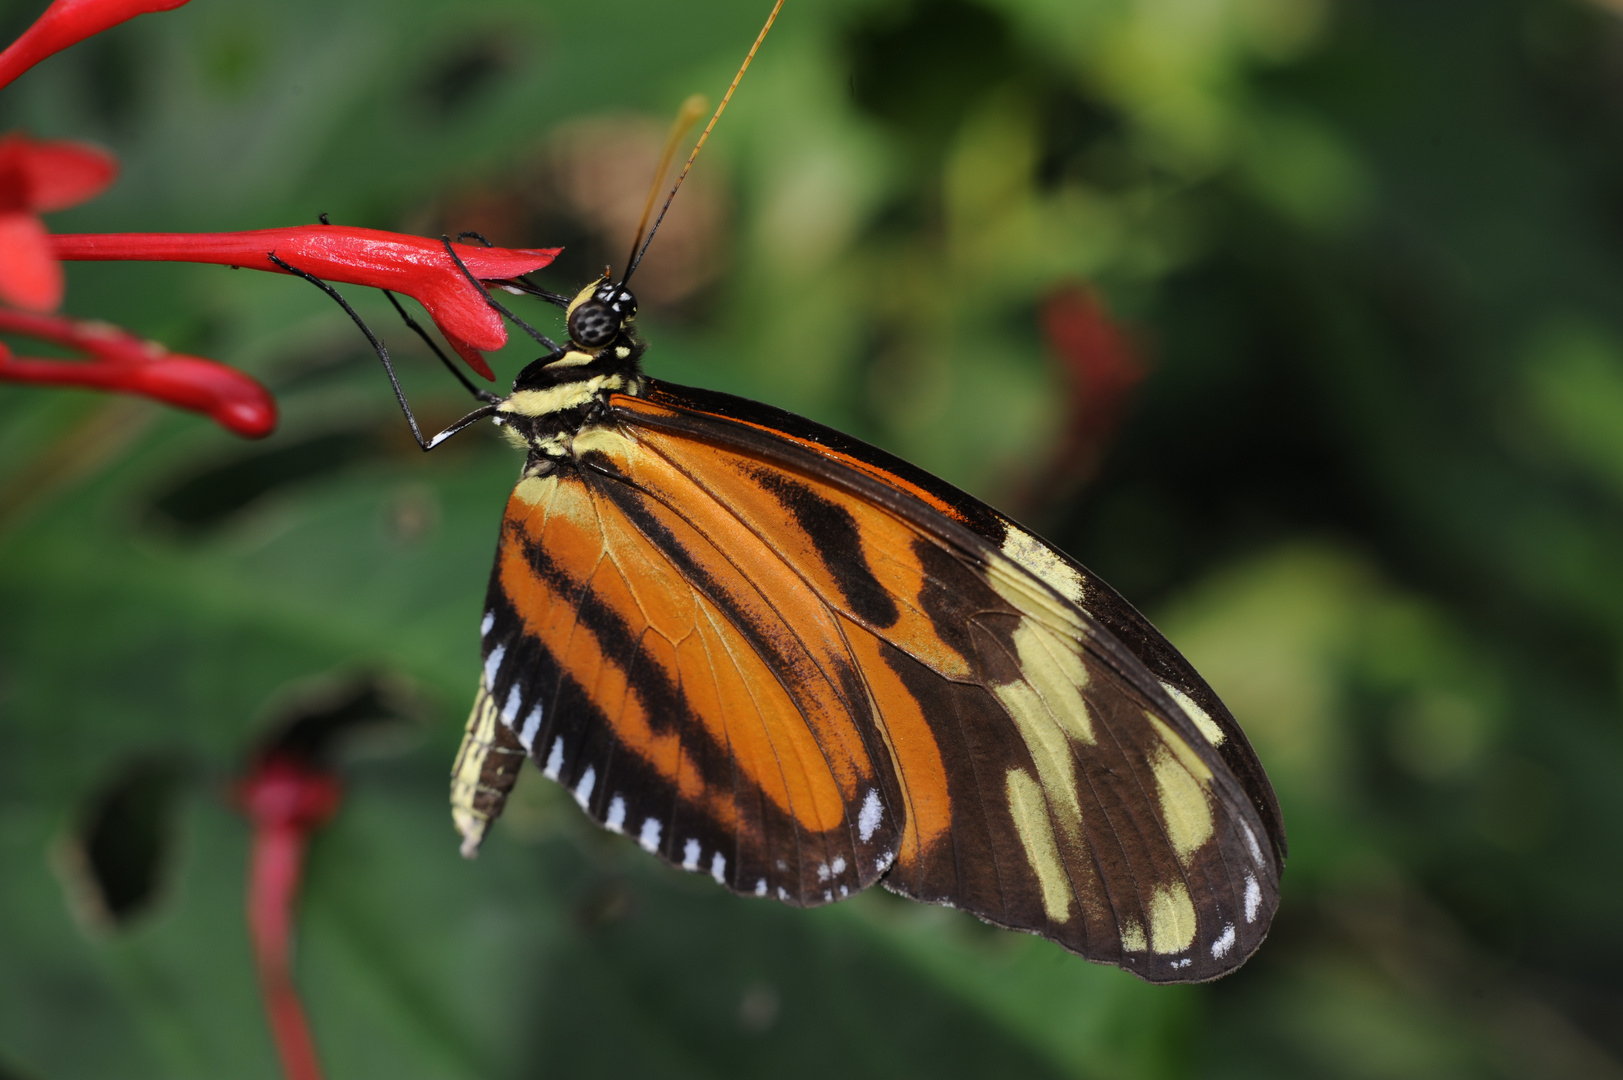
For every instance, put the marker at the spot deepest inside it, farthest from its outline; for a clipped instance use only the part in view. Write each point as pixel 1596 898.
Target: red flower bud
pixel 414 265
pixel 124 363
pixel 285 792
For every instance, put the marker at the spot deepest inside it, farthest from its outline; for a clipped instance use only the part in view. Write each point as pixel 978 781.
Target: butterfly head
pixel 602 339
pixel 599 314
pixel 559 395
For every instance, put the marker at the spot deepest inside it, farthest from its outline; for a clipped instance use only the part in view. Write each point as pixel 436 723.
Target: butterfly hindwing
pixel 674 700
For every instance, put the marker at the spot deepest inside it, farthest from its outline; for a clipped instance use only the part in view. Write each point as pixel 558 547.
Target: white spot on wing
pixel 488 621
pixel 718 868
pixel 649 837
pixel 1251 842
pixel 884 862
pixel 583 790
pixel 844 892
pixel 515 699
pixel 690 855
pixel 493 664
pixel 1253 898
pixel 783 894
pixel 760 887
pixel 822 871
pixel 838 865
pixel 555 760
pixel 616 820
pixel 532 728
pixel 1224 942
pixel 1185 962
pixel 871 813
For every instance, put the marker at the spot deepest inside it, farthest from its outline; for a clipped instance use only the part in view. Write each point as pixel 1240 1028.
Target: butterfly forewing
pixel 772 433
pixel 775 655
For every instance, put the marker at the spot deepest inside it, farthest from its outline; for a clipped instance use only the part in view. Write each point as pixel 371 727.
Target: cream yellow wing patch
pixel 1201 718
pixel 1182 786
pixel 1029 810
pixel 1045 563
pixel 1172 919
pixel 1048 703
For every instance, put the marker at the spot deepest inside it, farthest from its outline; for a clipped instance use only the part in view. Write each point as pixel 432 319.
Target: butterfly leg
pixel 493 302
pixel 377 346
pixel 519 285
pixel 412 325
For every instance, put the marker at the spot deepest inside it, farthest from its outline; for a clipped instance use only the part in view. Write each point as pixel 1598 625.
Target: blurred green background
pixel 1370 253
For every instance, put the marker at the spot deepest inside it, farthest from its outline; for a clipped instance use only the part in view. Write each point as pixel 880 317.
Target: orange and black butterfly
pixel 773 654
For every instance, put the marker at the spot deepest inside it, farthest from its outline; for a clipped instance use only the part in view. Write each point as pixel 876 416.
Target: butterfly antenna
pixel 638 252
pixel 686 117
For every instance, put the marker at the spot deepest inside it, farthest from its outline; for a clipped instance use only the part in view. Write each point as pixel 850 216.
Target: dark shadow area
pixel 322 722
pixel 125 844
pixel 210 498
pixel 464 75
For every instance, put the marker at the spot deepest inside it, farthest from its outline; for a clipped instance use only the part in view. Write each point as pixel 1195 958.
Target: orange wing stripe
pixel 795 629
pixel 551 617
pixel 886 544
pixel 920 771
pixel 685 640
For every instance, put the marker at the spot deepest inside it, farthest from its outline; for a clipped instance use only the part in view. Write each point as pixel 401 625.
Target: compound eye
pixel 593 325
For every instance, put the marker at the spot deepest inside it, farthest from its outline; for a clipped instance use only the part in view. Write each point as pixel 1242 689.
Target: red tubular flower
pixel 36 178
pixel 414 265
pixel 68 22
pixel 124 363
pixel 287 799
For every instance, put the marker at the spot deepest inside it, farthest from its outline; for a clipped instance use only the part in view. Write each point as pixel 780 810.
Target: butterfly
pixel 770 653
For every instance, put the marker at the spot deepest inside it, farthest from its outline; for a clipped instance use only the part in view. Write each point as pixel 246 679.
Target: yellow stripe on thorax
pixel 558 398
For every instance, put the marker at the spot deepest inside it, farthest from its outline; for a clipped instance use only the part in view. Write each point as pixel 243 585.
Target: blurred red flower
pixel 1102 364
pixel 286 798
pixel 123 363
pixel 68 22
pixel 36 178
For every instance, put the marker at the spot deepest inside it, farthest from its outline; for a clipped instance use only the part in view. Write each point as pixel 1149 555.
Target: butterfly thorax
pixel 562 394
